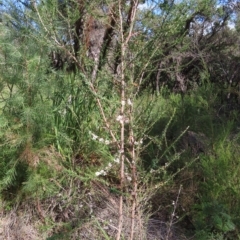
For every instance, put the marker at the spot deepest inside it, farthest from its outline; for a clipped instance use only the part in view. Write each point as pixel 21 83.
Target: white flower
pixel 129 102
pixel 138 143
pixel 116 160
pixel 122 119
pixel 107 142
pixel 119 118
pixel 127 120
pixel 94 137
pixel 97 173
pixel 123 103
pixel 109 165
pixel 102 172
pixel 101 140
pixel 129 178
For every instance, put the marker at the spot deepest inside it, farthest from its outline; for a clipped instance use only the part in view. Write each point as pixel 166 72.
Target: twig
pixel 173 213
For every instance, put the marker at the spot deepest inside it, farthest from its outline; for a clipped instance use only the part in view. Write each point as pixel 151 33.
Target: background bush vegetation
pixel 129 105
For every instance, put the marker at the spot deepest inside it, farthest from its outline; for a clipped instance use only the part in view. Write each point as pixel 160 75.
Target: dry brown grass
pixel 19 225
pixel 89 214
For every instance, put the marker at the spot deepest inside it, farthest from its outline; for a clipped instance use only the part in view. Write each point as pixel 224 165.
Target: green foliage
pixel 57 122
pixel 213 216
pixel 74 113
pixel 26 113
pixel 218 194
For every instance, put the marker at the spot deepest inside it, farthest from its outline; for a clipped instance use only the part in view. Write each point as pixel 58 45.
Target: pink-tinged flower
pixel 119 118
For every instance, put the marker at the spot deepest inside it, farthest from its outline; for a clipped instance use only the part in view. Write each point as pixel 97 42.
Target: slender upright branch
pixel 131 21
pixel 122 112
pixel 124 46
pixel 133 169
pixel 173 213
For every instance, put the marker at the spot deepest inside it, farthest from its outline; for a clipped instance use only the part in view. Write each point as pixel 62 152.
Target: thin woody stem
pixel 122 111
pixel 134 173
pixel 124 44
pixel 173 213
pixel 134 5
